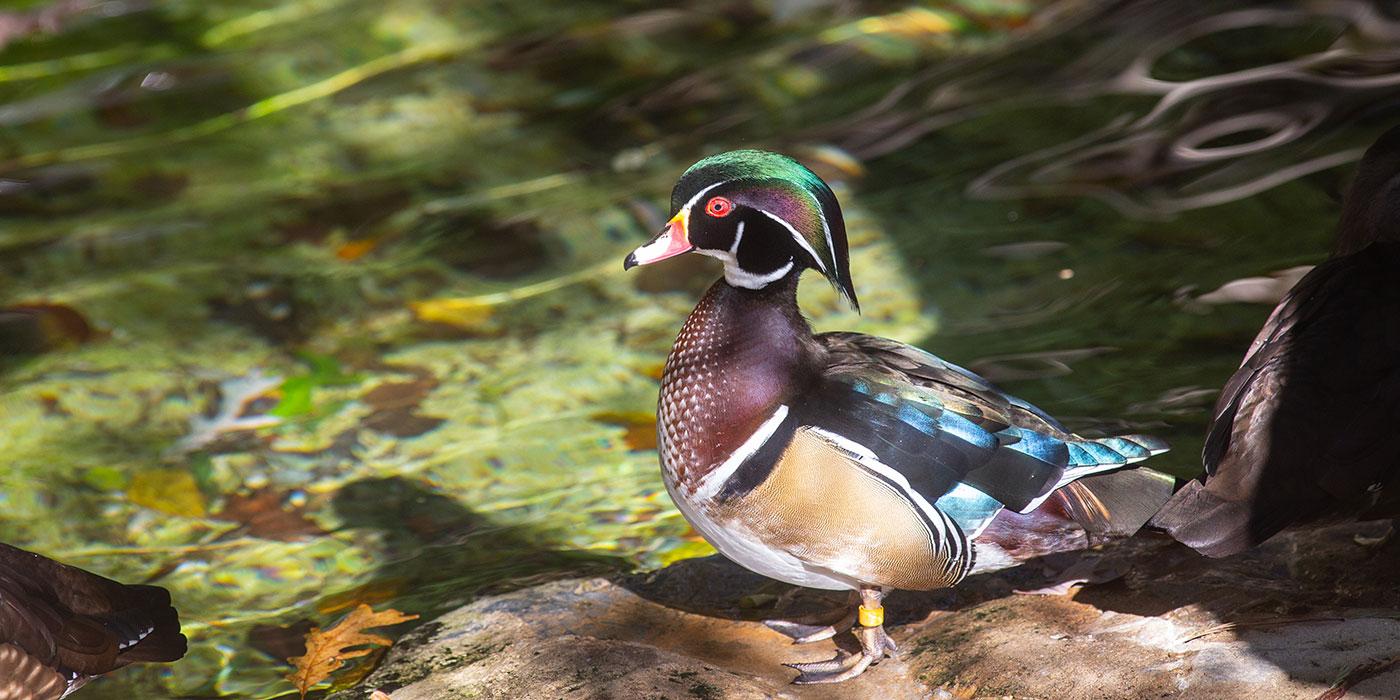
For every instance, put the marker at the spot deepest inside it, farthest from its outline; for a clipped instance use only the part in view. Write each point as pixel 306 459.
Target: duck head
pixel 764 215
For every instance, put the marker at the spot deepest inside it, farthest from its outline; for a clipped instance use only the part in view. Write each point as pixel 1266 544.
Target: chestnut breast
pixel 735 360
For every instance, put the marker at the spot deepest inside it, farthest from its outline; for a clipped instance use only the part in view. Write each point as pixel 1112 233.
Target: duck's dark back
pixel 61 621
pixel 1306 428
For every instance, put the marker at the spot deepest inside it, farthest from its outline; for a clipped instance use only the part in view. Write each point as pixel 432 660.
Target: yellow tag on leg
pixel 871 618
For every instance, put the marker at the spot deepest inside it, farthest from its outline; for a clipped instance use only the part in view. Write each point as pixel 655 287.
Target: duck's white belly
pixel 735 541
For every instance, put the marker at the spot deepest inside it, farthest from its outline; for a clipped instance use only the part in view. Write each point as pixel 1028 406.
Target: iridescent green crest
pixel 785 189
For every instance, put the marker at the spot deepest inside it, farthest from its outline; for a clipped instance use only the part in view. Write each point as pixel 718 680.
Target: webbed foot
pixel 875 644
pixel 816 628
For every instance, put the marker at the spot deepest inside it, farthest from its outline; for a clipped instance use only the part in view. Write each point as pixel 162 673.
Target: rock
pixel 1281 622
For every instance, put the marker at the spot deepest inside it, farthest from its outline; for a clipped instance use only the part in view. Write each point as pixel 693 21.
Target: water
pixel 311 303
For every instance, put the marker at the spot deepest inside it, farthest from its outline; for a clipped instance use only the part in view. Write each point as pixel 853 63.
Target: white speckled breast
pixel 691 388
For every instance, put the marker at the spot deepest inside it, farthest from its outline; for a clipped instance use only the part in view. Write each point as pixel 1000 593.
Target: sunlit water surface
pixel 305 304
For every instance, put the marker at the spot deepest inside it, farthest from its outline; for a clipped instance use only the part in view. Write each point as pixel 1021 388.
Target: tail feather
pixel 1105 455
pixel 1090 509
pixel 1094 454
pixel 1118 450
pixel 1116 504
pixel 1219 527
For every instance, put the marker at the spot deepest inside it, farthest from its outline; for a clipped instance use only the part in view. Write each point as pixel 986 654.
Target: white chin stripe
pixel 739 277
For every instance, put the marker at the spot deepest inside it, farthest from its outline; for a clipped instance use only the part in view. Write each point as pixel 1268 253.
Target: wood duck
pixel 845 461
pixel 61 626
pixel 1304 430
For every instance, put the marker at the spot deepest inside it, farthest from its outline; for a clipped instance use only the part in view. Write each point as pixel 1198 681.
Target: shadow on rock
pixel 1282 621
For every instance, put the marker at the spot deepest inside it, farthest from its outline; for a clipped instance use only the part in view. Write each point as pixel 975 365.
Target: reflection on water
pixel 311 302
pixel 1216 136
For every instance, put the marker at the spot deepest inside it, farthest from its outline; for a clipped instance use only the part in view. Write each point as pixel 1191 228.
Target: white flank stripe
pixel 869 460
pixel 798 237
pixel 714 481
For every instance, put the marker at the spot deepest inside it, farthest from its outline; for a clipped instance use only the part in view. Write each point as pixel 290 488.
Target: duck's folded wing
pixel 938 425
pixel 957 388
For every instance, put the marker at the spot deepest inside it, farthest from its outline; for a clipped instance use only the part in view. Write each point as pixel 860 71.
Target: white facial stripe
pixel 686 209
pixel 738 236
pixel 714 481
pixel 826 230
pixel 800 240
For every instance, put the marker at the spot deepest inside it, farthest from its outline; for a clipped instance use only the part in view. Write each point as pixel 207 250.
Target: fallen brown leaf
pixel 391 395
pixel 41 327
pixel 640 427
pixel 267 513
pixel 327 650
pixel 401 422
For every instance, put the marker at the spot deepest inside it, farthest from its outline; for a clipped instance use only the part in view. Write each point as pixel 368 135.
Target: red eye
pixel 719 206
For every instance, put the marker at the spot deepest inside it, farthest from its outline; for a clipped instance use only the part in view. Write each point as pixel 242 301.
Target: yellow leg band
pixel 871 618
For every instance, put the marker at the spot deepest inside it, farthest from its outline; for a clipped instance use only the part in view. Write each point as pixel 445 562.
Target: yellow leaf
pixel 911 23
pixel 327 650
pixel 170 491
pixel 689 550
pixel 469 314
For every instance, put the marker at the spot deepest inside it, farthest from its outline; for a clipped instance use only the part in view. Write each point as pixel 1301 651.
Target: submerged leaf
pixel 640 427
pixel 270 514
pixel 327 650
pixel 172 491
pixel 281 641
pixel 296 391
pixel 40 327
pixel 466 314
pixel 354 250
pixel 401 422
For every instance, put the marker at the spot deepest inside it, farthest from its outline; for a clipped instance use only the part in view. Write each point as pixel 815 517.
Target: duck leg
pixel 874 645
pixel 818 627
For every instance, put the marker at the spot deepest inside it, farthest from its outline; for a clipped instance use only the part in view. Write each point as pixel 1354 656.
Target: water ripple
pixel 1181 142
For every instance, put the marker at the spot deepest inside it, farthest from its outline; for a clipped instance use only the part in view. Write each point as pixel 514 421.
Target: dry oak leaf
pixel 327 650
